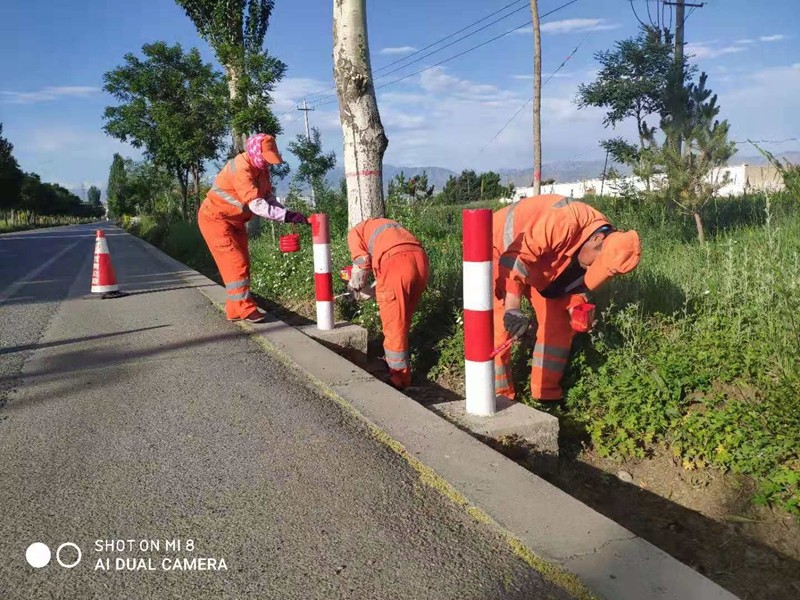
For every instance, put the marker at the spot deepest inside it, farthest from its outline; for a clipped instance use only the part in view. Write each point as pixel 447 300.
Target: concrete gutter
pixel 542 523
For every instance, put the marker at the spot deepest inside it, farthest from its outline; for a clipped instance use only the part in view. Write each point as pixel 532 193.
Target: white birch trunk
pixel 239 140
pixel 364 138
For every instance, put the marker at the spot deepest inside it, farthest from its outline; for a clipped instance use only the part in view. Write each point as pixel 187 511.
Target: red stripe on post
pixel 320 230
pixel 323 286
pixel 365 173
pixel 477 225
pixel 478 342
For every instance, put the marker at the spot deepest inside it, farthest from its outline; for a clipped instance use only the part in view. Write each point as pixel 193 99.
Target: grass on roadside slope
pixel 696 349
pixel 699 350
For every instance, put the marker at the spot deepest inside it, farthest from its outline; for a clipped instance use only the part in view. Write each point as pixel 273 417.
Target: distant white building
pixel 741 178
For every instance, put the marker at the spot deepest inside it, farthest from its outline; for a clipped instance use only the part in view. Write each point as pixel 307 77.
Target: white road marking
pixel 14 287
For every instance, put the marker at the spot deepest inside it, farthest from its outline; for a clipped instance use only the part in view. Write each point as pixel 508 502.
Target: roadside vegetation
pixel 696 351
pixel 26 202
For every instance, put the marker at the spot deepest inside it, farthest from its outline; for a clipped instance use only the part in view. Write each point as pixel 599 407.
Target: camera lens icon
pixel 38 555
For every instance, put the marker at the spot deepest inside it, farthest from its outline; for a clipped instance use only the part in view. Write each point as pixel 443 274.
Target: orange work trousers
pixel 553 342
pixel 227 240
pixel 402 280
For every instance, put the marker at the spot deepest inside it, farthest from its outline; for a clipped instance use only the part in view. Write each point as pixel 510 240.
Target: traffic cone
pixel 103 279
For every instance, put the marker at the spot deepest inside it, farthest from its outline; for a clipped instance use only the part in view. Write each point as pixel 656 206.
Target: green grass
pixel 696 350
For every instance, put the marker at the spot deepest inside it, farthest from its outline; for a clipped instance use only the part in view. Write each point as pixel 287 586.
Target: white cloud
pixel 289 93
pixel 576 25
pixel 48 94
pixel 705 50
pixel 398 50
pixel 453 118
pixel 715 49
pixel 774 92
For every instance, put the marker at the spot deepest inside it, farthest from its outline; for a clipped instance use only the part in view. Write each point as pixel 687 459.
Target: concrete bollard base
pixel 346 339
pixel 537 428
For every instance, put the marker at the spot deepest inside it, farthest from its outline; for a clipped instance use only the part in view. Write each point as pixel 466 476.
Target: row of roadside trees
pixel 184 114
pixel 25 198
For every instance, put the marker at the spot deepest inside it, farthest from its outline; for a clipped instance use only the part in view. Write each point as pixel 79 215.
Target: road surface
pixel 159 440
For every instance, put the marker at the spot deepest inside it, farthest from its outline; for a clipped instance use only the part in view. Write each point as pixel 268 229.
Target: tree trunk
pixel 183 180
pixel 701 236
pixel 234 74
pixel 364 137
pixel 196 170
pixel 537 100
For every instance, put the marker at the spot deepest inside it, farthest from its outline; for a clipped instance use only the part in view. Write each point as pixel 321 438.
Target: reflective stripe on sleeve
pixel 513 263
pixel 361 260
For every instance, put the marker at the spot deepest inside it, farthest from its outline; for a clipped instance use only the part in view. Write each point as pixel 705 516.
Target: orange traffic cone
pixel 103 279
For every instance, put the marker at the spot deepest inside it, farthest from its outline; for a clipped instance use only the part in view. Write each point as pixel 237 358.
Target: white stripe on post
pixel 322 258
pixel 478 323
pixel 323 280
pixel 478 276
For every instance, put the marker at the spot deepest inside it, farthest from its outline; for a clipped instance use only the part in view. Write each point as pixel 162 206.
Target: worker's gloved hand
pixel 358 278
pixel 296 218
pixel 516 323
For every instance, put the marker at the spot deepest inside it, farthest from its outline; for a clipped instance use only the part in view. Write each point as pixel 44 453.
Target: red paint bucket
pixel 289 243
pixel 346 272
pixel 582 317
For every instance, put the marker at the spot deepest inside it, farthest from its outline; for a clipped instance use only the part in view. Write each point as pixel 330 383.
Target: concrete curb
pixel 531 513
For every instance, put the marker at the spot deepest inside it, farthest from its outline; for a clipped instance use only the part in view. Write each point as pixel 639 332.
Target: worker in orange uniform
pixel 241 189
pixel 550 249
pixel 400 266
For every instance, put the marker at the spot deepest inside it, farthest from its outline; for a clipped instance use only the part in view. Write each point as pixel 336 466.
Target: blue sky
pixel 55 54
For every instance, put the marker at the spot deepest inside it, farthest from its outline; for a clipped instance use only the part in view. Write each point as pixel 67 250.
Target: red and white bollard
pixel 478 320
pixel 323 280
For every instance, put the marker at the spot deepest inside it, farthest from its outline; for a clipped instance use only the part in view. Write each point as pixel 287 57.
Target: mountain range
pixel 562 171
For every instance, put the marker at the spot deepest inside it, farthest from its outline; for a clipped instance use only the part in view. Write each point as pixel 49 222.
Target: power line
pixel 437 42
pixel 455 41
pixel 455 33
pixel 460 54
pixel 783 141
pixel 521 108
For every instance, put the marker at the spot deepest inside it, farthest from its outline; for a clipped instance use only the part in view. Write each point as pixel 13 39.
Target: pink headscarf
pixel 254 150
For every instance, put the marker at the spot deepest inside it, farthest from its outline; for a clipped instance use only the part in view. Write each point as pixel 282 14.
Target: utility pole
pixel 680 22
pixel 305 109
pixel 537 100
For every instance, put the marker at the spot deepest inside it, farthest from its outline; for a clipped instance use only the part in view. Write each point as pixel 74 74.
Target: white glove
pixel 358 278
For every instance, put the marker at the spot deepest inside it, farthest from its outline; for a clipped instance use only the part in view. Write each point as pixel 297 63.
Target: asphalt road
pixel 149 432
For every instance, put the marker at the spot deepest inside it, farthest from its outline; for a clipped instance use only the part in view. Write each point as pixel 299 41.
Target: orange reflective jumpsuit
pixel 222 219
pixel 534 242
pixel 400 266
